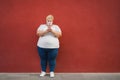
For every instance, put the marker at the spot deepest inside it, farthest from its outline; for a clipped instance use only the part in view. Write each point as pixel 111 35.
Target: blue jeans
pixel 48 55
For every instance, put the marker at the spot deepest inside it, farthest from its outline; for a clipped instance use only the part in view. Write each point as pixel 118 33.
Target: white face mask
pixel 49 23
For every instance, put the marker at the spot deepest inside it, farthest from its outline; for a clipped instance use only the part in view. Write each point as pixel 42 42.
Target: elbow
pixel 59 35
pixel 38 34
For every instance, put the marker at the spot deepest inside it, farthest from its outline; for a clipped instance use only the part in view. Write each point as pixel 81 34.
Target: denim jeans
pixel 48 55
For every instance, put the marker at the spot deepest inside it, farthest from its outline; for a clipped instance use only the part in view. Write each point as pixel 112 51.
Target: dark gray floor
pixel 60 76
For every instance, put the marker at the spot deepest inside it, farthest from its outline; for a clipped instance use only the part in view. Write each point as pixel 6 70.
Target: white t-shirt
pixel 48 40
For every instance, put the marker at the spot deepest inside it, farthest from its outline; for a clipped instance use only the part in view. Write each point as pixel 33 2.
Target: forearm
pixel 57 34
pixel 41 33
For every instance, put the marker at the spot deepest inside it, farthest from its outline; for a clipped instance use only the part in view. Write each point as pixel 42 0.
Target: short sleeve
pixel 57 28
pixel 41 27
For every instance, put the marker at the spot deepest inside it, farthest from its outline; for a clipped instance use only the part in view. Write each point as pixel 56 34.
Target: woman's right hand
pixel 49 29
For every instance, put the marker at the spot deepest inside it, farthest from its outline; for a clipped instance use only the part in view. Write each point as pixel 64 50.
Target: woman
pixel 48 44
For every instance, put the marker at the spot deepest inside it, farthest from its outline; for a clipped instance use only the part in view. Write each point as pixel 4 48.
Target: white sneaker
pixel 43 74
pixel 52 74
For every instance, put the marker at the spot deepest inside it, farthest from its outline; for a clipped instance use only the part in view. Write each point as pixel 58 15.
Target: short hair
pixel 50 17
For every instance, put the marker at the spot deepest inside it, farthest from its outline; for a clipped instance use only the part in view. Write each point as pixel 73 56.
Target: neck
pixel 49 25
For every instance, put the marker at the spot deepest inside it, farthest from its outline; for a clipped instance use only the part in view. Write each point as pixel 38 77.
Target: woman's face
pixel 49 22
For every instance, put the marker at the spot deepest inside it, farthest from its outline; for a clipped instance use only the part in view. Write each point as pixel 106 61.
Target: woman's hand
pixel 49 29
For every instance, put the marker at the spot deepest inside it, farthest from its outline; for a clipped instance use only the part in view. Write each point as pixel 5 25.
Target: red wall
pixel 90 41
